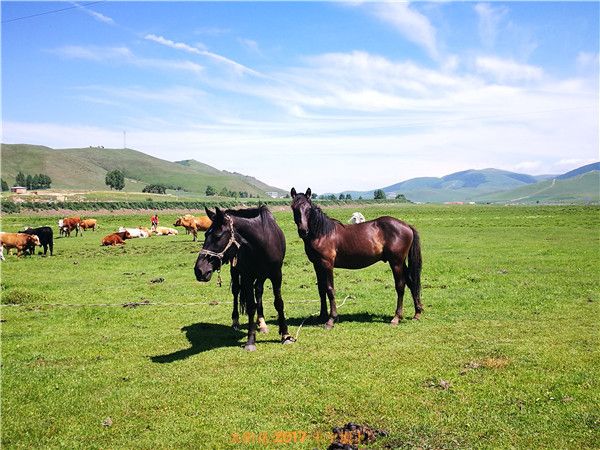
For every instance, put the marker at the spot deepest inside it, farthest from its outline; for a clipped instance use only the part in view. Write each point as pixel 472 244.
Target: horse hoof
pixel 262 326
pixel 235 326
pixel 329 324
pixel 250 347
pixel 285 340
pixel 417 317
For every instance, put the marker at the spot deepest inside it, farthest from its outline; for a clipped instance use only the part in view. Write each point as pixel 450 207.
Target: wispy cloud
pixel 237 67
pixel 409 22
pixel 490 18
pixel 123 55
pixel 507 70
pixel 95 14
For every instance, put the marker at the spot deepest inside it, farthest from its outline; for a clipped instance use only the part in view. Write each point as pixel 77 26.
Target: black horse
pixel 255 245
pixel 329 243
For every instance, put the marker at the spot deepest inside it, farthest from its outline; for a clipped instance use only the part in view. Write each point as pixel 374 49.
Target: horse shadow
pixel 202 338
pixel 314 321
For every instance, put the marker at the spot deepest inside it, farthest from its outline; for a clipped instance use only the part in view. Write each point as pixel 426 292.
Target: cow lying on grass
pixel 21 241
pixel 136 232
pixel 164 231
pixel 45 235
pixel 116 238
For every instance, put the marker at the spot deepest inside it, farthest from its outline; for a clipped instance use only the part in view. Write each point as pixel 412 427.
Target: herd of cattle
pixel 27 240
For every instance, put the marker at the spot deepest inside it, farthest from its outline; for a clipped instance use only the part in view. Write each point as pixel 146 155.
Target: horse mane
pixel 319 223
pixel 262 213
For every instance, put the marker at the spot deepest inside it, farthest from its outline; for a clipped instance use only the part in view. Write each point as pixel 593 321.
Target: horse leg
pixel 331 294
pixel 195 234
pixel 259 287
pixel 400 283
pixel 286 338
pixel 235 290
pixel 322 284
pixel 248 296
pixel 416 295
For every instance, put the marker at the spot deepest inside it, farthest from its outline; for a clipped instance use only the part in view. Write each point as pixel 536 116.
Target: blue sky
pixel 331 95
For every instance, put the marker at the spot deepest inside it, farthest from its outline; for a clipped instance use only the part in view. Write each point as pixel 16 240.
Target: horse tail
pixel 415 264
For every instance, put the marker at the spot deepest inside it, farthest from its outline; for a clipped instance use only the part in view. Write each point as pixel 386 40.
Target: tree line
pixel 36 181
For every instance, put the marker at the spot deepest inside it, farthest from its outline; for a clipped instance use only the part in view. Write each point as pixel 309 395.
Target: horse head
pixel 301 206
pixel 220 245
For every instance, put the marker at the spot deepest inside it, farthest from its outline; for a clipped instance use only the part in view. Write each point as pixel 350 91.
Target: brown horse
pixel 329 243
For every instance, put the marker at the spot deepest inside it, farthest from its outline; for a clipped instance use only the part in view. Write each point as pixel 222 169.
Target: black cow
pixel 46 236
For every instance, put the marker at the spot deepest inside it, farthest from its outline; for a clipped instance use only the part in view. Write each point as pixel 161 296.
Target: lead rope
pixel 315 314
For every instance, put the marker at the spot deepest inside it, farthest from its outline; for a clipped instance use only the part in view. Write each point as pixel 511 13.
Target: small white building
pixel 18 190
pixel 273 194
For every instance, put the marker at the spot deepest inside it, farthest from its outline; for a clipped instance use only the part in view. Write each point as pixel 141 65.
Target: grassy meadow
pixel 505 356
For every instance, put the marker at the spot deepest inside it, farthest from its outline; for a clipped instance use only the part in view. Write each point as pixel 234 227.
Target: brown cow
pixel 116 238
pixel 20 241
pixel 69 224
pixel 87 224
pixel 193 224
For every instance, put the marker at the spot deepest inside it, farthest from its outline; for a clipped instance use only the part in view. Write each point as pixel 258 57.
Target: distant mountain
pixel 496 185
pixel 579 171
pixel 86 168
pixel 466 185
pixel 582 188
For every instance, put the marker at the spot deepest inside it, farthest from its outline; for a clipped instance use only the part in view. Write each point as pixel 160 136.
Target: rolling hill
pixel 493 185
pixel 583 187
pixel 86 168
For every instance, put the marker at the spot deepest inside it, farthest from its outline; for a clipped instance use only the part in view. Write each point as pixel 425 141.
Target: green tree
pixel 348 197
pixel 35 182
pixel 29 182
pixel 4 186
pixel 155 189
pixel 313 196
pixel 210 191
pixel 20 180
pixel 342 197
pixel 379 194
pixel 401 197
pixel 115 179
pixel 224 192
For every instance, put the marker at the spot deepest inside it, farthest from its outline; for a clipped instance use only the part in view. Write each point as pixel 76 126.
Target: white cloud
pixel 123 55
pixel 237 67
pixel 410 23
pixel 489 20
pixel 528 165
pixel 588 60
pixel 508 70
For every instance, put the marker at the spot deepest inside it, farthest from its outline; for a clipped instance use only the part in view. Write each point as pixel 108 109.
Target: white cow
pixel 357 218
pixel 134 232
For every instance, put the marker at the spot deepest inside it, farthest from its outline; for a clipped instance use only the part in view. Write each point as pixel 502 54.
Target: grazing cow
pixel 193 224
pixel 69 224
pixel 165 231
pixel 116 238
pixel 86 224
pixel 357 218
pixel 20 241
pixel 45 235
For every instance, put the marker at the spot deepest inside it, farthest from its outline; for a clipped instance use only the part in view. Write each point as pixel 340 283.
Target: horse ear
pixel 219 215
pixel 209 213
pixel 308 192
pixel 293 192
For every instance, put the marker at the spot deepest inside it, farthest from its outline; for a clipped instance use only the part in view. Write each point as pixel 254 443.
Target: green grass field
pixel 505 356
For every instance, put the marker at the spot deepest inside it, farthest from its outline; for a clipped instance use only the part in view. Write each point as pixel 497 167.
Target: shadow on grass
pixel 203 337
pixel 362 317
pixel 209 336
